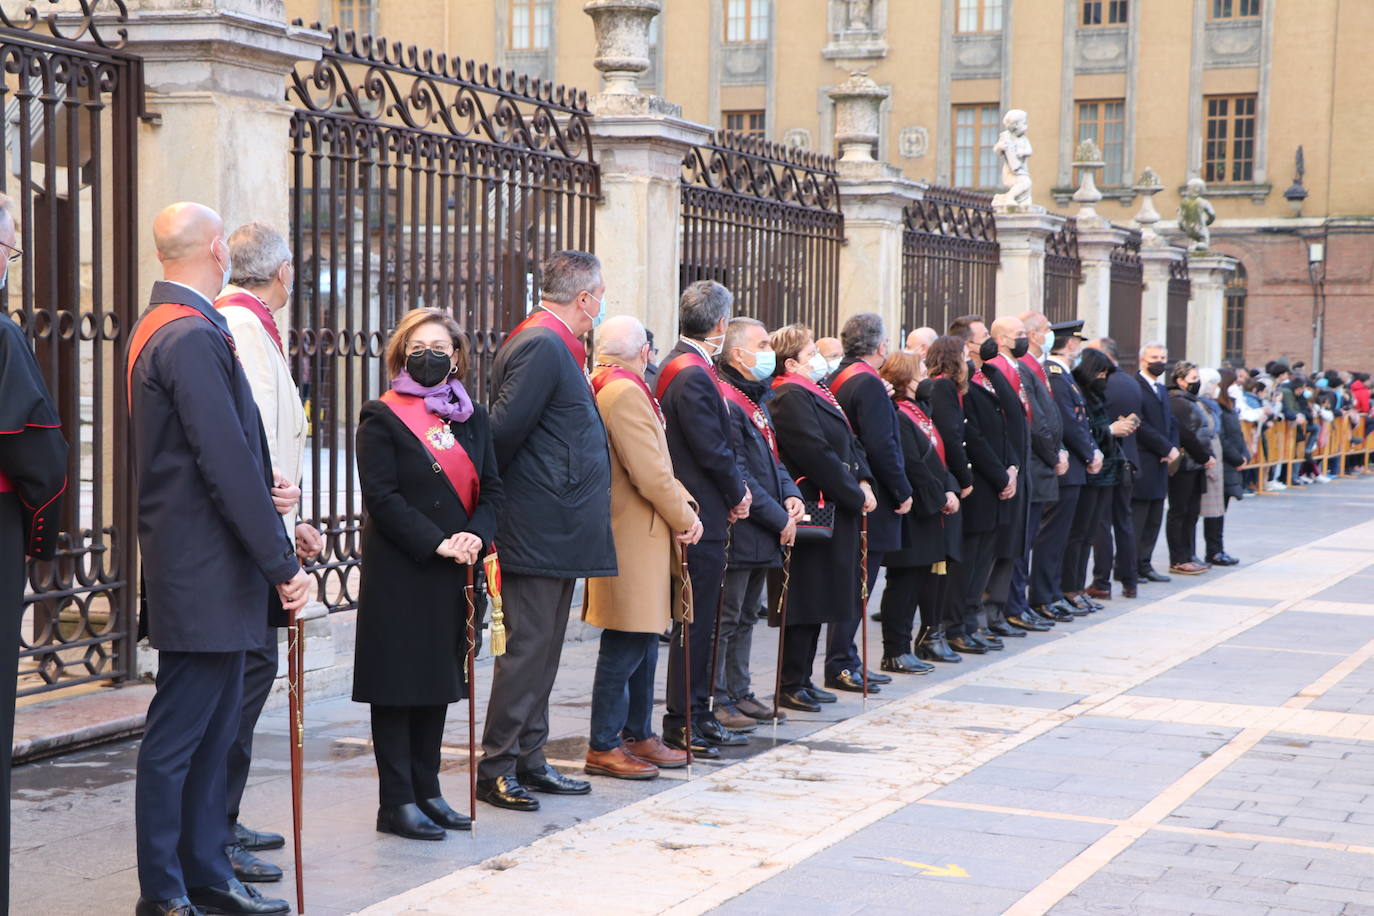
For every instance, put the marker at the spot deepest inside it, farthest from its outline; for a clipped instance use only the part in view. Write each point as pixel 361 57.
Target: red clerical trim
pixel 751 410
pixel 153 322
pixel 543 318
pixel 6 485
pixel 677 364
pixel 820 391
pixel 925 424
pixel 436 437
pixel 982 381
pixel 1035 366
pixel 259 310
pixel 605 374
pixel 858 367
pixel 1013 375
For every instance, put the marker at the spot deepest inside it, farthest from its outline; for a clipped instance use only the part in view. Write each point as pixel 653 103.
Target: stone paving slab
pixel 1042 699
pixel 1231 675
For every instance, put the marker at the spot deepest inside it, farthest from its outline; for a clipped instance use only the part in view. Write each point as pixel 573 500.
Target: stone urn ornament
pixel 1195 215
pixel 858 101
pixel 1147 186
pixel 1087 158
pixel 1014 149
pixel 622 41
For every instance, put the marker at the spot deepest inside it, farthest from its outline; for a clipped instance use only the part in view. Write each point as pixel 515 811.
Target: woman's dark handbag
pixel 818 521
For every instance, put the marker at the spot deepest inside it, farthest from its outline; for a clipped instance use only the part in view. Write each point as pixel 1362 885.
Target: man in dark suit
pixel 33 479
pixel 1118 524
pixel 204 477
pixel 555 524
pixel 864 399
pixel 700 441
pixel 1047 561
pixel 1157 445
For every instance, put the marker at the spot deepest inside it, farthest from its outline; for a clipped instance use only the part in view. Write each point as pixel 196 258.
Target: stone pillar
pixel 1096 239
pixel 640 141
pixel 1022 234
pixel 216 74
pixel 1207 308
pixel 1154 299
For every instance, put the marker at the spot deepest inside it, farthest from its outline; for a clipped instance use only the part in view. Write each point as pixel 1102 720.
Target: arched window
pixel 1233 338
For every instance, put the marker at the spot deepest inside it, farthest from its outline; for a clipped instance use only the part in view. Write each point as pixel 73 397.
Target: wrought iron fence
pixel 1176 321
pixel 1063 271
pixel 1127 283
pixel 949 258
pixel 71 101
pixel 764 219
pixel 418 180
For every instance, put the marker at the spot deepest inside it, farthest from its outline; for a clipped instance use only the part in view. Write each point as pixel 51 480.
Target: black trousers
pixel 179 792
pixel 1185 503
pixel 1086 517
pixel 909 589
pixel 706 569
pixel 1051 541
pixel 1149 517
pixel 406 742
pixel 1114 549
pixel 12 609
pixel 259 670
pixel 841 653
pixel 968 579
pixel 1018 596
pixel 517 727
pixel 799 641
pixel 1214 530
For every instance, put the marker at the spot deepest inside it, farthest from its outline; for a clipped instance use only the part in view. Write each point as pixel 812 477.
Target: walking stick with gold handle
pixel 686 659
pixel 720 611
pixel 863 600
pixel 295 702
pixel 471 670
pixel 782 629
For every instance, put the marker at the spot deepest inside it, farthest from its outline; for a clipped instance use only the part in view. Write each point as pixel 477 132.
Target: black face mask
pixel 1020 347
pixel 428 367
pixel 988 350
pixel 1155 369
pixel 1195 387
pixel 1098 385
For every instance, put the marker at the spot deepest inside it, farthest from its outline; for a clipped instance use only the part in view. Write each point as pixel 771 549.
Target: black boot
pixel 439 811
pixel 934 648
pixel 408 821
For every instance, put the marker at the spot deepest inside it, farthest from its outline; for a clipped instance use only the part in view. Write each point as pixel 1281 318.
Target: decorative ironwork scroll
pixel 1127 284
pixel 1063 271
pixel 1176 310
pixel 67 24
pixel 949 258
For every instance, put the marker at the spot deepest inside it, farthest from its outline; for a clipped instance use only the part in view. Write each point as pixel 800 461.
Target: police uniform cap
pixel 1063 330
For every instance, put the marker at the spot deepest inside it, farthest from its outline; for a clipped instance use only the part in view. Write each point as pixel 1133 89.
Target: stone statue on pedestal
pixel 1014 149
pixel 860 15
pixel 1195 214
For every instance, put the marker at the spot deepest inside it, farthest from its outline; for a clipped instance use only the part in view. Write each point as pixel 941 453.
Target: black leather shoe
pixel 934 648
pixel 234 898
pixel 878 616
pixel 1004 630
pixel 1084 603
pixel 254 840
pixel 1068 607
pixel 248 867
pixel 177 906
pixel 799 700
pixel 1053 612
pixel 506 792
pixel 988 639
pixel 851 683
pixel 819 695
pixel 720 736
pixel 968 646
pixel 906 663
pixel 408 821
pixel 552 782
pixel 1150 575
pixel 876 678
pixel 1039 614
pixel 1222 559
pixel 677 737
pixel 439 811
pixel 1030 626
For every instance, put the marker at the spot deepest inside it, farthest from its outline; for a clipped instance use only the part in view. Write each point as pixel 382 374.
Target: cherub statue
pixel 1014 149
pixel 1195 214
pixel 860 13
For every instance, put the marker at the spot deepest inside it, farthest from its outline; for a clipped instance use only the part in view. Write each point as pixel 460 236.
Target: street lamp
pixel 1316 272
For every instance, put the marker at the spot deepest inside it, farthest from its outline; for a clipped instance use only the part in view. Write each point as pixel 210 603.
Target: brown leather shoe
pixel 619 765
pixel 1104 594
pixel 653 750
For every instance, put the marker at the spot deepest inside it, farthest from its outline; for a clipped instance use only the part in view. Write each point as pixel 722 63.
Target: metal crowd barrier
pixel 1342 447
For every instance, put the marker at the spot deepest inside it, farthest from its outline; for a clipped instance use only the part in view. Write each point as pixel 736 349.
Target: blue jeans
pixel 623 688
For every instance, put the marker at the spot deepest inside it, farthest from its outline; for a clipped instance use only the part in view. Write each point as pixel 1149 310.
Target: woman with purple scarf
pixel 431 492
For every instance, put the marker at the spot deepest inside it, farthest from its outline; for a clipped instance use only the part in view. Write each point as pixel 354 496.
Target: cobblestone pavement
pixel 1208 748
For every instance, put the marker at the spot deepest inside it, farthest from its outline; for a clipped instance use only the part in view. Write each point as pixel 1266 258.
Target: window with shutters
pixel 1229 150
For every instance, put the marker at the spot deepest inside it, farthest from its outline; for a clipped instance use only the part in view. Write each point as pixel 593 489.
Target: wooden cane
pixel 782 628
pixel 686 662
pixel 472 699
pixel 720 611
pixel 295 667
pixel 863 600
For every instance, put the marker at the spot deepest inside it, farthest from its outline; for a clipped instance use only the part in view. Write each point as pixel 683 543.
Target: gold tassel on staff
pixel 498 618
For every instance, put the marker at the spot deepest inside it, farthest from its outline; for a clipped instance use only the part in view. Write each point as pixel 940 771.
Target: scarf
pixel 447 400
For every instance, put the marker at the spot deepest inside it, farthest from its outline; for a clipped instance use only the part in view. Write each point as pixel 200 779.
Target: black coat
pixel 1073 412
pixel 1234 452
pixel 754 542
pixel 1047 437
pixel 865 401
pixel 1156 436
pixel 554 462
pixel 1193 439
pixel 947 412
pixel 989 451
pixel 1100 424
pixel 699 440
pixel 1121 399
pixel 211 542
pixel 412 635
pixel 928 536
pixel 1011 534
pixel 815 443
pixel 33 454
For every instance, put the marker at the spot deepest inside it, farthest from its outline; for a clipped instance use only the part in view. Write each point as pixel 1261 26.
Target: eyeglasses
pixel 415 348
pixel 13 254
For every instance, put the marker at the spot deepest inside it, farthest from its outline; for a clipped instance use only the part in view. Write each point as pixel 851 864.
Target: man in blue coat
pixel 1116 538
pixel 1157 444
pixel 555 525
pixel 204 480
pixel 701 443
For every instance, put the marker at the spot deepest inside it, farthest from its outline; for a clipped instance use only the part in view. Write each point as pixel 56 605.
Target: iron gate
pixel 764 219
pixel 1063 271
pixel 71 102
pixel 418 180
pixel 1176 322
pixel 949 258
pixel 1127 281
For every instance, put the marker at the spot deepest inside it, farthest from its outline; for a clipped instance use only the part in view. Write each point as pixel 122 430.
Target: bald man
pixel 213 548
pixel 919 341
pixel 829 353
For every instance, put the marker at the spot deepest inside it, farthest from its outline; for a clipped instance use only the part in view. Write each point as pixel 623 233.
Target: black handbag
pixel 818 521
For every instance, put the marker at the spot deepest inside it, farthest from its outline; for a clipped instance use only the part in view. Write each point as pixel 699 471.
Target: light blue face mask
pixel 601 312
pixel 1048 345
pixel 765 361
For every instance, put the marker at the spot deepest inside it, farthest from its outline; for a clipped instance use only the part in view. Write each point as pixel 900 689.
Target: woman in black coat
pixel 1091 376
pixel 1188 479
pixel 822 454
pixel 916 575
pixel 1234 453
pixel 431 513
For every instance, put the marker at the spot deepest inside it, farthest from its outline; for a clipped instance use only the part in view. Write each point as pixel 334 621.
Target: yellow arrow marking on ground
pixel 931 871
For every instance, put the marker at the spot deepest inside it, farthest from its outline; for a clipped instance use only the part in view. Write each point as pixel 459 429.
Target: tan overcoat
pixel 648 506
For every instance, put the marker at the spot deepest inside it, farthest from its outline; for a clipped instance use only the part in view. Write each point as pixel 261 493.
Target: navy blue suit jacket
pixel 212 543
pixel 874 419
pixel 1122 399
pixel 1073 410
pixel 1157 435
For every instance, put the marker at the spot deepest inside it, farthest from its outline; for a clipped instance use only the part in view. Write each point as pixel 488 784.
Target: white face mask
pixel 715 341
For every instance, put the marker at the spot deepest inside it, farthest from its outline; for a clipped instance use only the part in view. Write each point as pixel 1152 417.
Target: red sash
pixel 153 322
pixel 925 424
pixel 606 374
pixel 543 318
pixel 751 410
pixel 1014 376
pixel 1034 365
pixel 434 434
pixel 677 364
pixel 982 381
pixel 259 310
pixel 6 485
pixel 820 391
pixel 858 367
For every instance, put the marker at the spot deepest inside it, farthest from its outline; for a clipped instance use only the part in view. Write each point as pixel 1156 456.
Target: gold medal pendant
pixel 440 437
